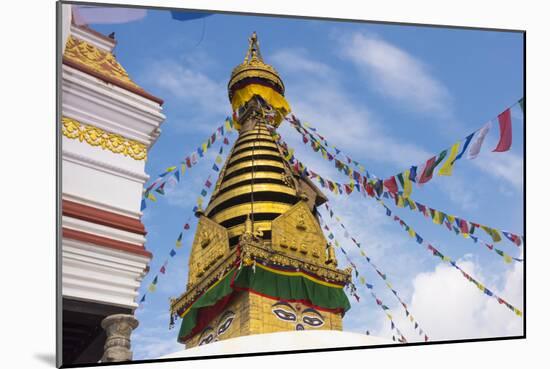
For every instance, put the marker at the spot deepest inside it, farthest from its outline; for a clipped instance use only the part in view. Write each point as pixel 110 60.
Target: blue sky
pixel 389 96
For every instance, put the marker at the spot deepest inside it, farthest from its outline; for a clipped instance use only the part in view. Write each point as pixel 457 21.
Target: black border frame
pixel 58 297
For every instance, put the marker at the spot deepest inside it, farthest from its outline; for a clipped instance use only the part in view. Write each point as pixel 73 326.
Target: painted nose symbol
pixel 299 327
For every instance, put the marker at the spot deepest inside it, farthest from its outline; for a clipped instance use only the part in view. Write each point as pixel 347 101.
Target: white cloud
pixel 507 167
pixel 396 73
pixel 319 97
pixel 449 307
pixel 185 83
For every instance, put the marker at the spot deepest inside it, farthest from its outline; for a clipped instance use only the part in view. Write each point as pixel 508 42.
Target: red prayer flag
pixel 391 184
pixel 427 172
pixel 348 189
pixel 163 270
pixel 464 226
pixel 505 123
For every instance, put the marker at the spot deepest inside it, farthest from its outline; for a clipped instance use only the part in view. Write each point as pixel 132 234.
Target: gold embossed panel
pixel 297 233
pixel 210 245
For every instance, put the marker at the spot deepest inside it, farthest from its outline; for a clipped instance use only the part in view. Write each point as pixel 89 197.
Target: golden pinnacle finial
pixel 253 48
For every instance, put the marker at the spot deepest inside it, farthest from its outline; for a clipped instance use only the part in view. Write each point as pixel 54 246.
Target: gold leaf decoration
pixel 95 136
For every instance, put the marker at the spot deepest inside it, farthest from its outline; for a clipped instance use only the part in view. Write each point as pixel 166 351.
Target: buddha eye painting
pixel 236 183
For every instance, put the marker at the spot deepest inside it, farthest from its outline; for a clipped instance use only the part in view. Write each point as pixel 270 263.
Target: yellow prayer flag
pixel 518 312
pixel 451 219
pixel 389 285
pixel 446 259
pixel 336 243
pixel 183 167
pixel 171 169
pixel 389 316
pixel 407 188
pixel 218 159
pixel 411 204
pixel 437 219
pixel 481 287
pixel 204 147
pixel 228 126
pixel 412 233
pixel 507 258
pixel 151 197
pixel 152 288
pixel 199 200
pixel 362 280
pixel 337 219
pixel 447 167
pixel 400 203
pixel 363 253
pixel 411 318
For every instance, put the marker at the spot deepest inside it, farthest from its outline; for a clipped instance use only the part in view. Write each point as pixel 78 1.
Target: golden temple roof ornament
pixel 254 70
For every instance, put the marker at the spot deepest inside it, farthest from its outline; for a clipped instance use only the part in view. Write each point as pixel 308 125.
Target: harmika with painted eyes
pixel 303 318
pixel 210 334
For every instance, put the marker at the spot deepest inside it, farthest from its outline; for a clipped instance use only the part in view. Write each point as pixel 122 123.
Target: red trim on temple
pixel 105 242
pixel 114 81
pixel 103 217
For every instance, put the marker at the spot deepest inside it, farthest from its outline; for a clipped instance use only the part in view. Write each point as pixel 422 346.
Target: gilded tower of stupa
pixel 259 262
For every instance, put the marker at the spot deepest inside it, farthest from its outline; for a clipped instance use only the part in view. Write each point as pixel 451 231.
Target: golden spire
pixel 254 70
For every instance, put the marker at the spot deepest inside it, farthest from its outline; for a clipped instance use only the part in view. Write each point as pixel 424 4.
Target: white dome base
pixel 281 341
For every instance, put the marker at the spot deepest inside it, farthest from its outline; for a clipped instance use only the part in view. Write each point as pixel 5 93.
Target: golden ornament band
pixel 249 176
pixel 94 136
pixel 249 188
pixel 240 146
pixel 244 209
pixel 248 154
pixel 248 164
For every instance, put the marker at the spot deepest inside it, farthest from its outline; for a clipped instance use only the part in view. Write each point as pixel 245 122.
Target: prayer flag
pixel 476 147
pixel 428 169
pixel 142 299
pixel 466 143
pixel 493 233
pixel 505 124
pixel 152 288
pixel 391 184
pixel 143 205
pixel 447 167
pixel 225 141
pixel 178 241
pixel 208 183
pixel 215 167
pixel 172 252
pixel 203 192
pixel 163 269
pixel 407 187
pixel 186 226
pixel 412 173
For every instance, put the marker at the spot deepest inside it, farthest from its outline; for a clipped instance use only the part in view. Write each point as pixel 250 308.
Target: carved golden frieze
pixel 95 136
pixel 102 62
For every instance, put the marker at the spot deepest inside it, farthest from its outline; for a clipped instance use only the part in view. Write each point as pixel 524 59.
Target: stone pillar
pixel 118 328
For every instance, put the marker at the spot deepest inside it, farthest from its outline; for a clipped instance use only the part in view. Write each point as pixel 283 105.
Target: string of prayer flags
pixel 382 275
pixel 462 227
pixel 425 174
pixel 174 173
pixel 453 263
